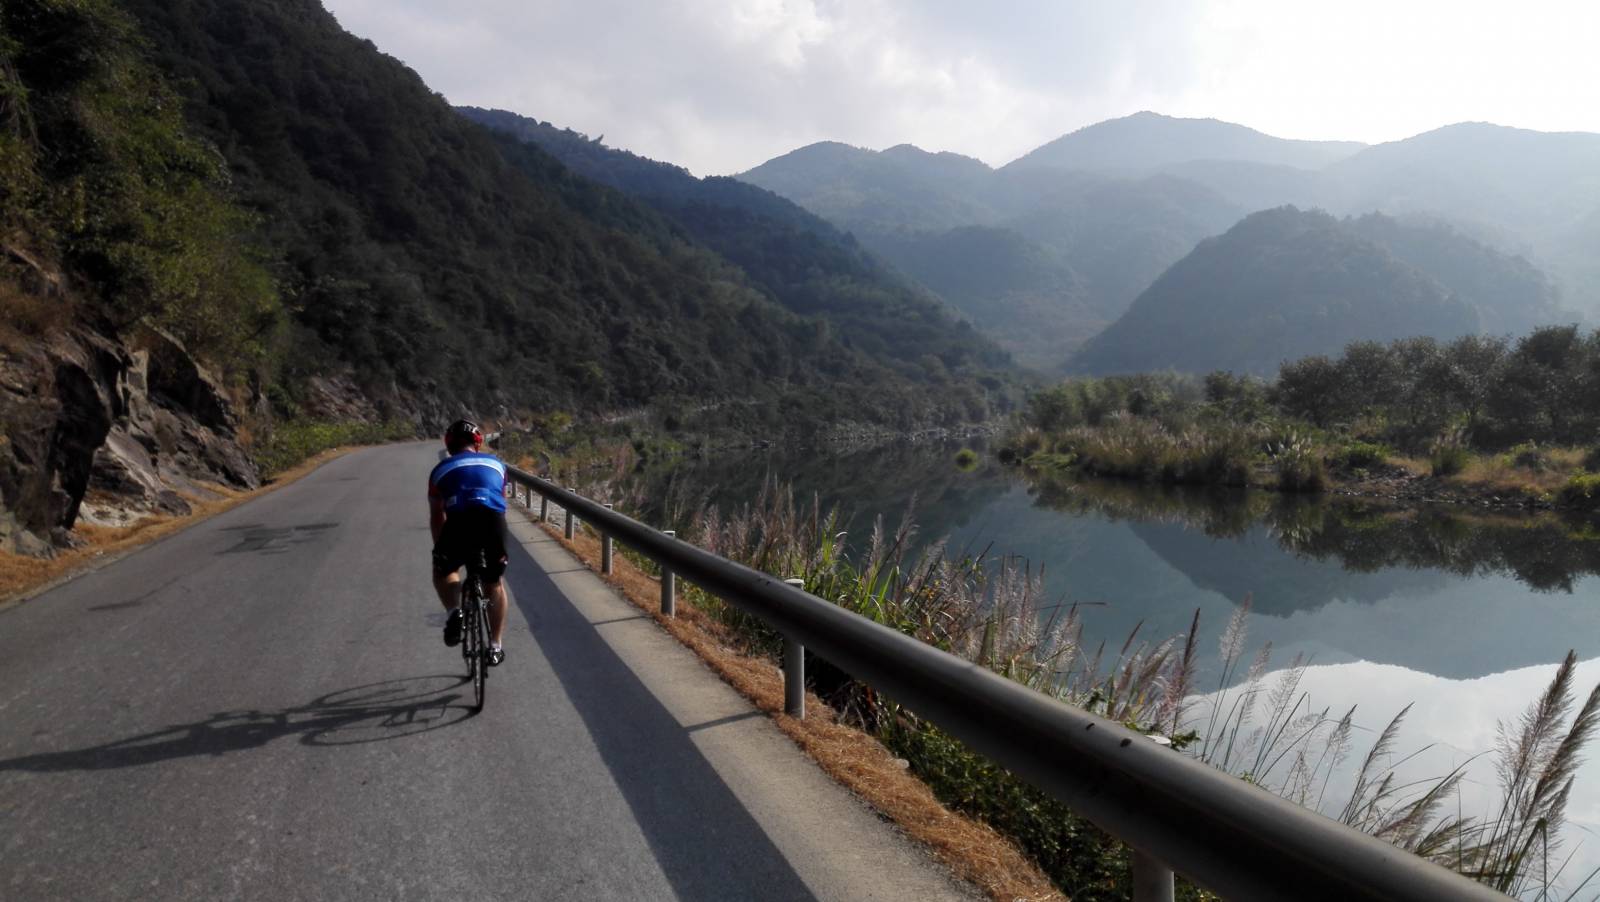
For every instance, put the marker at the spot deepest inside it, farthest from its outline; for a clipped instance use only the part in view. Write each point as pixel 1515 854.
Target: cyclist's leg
pixel 447 563
pixel 448 588
pixel 497 610
pixel 494 546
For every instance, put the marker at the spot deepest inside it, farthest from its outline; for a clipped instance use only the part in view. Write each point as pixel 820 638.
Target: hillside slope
pixel 1019 292
pixel 1511 296
pixel 416 246
pixel 800 260
pixel 1280 285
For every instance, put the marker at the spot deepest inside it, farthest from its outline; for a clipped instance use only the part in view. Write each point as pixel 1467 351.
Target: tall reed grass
pixel 1256 722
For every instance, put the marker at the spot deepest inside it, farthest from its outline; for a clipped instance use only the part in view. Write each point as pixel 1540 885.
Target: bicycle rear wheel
pixel 476 640
pixel 480 684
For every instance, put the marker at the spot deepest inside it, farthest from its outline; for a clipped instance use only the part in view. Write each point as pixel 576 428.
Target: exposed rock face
pixel 58 401
pixel 110 431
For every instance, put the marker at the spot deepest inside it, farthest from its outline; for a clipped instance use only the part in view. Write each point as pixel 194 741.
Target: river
pixel 1462 615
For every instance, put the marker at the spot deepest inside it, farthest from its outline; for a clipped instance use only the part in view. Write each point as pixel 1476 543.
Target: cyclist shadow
pixel 376 712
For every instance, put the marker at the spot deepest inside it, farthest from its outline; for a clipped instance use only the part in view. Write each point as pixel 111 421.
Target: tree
pixel 1312 388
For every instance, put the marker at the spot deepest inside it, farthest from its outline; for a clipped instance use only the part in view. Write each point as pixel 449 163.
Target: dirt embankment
pixel 1484 483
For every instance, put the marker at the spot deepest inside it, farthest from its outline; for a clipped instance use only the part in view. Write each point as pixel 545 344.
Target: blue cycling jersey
pixel 469 479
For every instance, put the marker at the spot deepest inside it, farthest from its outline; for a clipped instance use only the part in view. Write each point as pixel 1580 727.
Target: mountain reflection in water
pixel 1439 590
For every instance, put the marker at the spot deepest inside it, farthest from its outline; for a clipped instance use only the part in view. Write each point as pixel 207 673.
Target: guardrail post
pixel 669 585
pixel 794 670
pixel 1152 879
pixel 605 549
pixel 572 522
pixel 544 509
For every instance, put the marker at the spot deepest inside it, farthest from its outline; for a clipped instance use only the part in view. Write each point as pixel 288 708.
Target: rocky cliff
pixel 108 429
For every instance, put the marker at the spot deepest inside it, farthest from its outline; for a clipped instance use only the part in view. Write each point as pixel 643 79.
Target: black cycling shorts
pixel 464 534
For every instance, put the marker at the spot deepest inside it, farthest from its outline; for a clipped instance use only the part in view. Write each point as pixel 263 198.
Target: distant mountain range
pixel 1144 141
pixel 1287 283
pixel 1092 219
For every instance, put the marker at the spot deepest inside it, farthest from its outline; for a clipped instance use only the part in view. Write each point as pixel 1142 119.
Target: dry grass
pixel 1496 473
pixel 27 315
pixel 1418 467
pixel 973 851
pixel 22 577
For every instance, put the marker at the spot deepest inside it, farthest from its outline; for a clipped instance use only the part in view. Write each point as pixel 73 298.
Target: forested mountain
pixel 1530 192
pixel 1023 294
pixel 1150 141
pixel 866 190
pixel 803 262
pixel 436 260
pixel 1280 285
pixel 1119 234
pixel 1102 238
pixel 1511 296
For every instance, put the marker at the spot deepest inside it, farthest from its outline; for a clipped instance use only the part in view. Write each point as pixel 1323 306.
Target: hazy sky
pixel 722 85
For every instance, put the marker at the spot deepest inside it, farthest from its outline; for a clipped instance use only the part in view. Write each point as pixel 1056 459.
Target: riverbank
pixel 1526 477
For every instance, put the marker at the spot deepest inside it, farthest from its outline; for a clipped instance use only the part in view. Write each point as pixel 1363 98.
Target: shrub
pixel 1022 444
pixel 967 459
pixel 1528 456
pixel 296 440
pixel 1582 490
pixel 1300 468
pixel 1360 455
pixel 1448 459
pixel 1591 460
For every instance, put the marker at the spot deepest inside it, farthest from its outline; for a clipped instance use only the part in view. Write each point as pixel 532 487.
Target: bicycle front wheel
pixel 480 642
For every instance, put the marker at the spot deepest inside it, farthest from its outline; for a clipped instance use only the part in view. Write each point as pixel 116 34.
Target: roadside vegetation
pixel 292 442
pixel 1253 721
pixel 1497 418
pixel 105 190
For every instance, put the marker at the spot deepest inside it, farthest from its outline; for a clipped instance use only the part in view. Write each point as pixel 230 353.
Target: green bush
pixel 1301 472
pixel 967 459
pixel 1299 465
pixel 1528 456
pixel 1583 491
pixel 1073 853
pixel 1448 459
pixel 294 441
pixel 1591 460
pixel 1360 455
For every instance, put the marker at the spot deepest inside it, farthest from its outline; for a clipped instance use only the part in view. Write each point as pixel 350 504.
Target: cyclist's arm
pixel 435 513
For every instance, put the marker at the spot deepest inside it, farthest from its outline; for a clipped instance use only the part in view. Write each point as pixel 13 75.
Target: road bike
pixel 475 628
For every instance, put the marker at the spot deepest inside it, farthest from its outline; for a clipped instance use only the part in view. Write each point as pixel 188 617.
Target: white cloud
pixel 722 86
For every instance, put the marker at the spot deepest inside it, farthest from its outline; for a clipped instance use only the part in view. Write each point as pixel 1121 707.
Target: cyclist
pixel 467 512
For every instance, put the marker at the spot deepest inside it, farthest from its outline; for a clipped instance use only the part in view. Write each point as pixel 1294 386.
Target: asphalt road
pixel 260 707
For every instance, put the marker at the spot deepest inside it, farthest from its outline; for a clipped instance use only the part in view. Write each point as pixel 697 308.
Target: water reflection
pixel 1435 590
pixel 1547 552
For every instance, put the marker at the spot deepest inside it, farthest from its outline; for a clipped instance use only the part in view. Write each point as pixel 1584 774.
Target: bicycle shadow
pixel 375 712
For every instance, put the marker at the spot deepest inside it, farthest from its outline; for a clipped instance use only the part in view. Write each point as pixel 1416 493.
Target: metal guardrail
pixel 1177 814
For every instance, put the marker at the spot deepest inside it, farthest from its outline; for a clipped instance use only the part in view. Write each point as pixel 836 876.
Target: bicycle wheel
pixel 480 683
pixel 469 634
pixel 465 599
pixel 478 629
